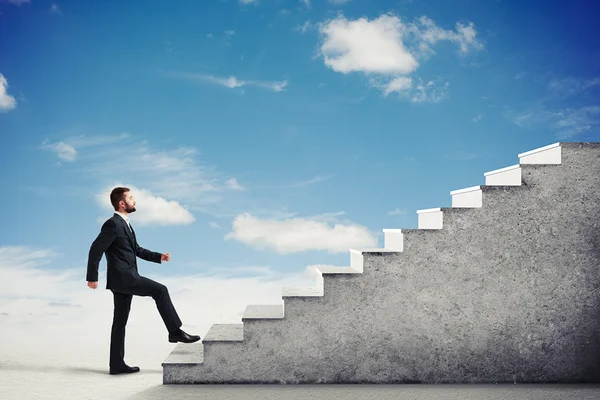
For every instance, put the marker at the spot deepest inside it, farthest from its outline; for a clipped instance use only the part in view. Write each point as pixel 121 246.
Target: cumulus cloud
pixel 7 102
pixel 150 210
pixel 389 50
pixel 299 234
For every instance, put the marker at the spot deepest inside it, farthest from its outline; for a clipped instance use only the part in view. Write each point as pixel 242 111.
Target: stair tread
pixel 325 270
pixel 186 353
pixel 376 250
pixel 225 333
pixel 263 311
pixel 300 291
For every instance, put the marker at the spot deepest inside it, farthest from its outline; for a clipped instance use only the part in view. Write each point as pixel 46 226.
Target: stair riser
pixel 472 199
pixel 431 220
pixel 550 156
pixel 511 177
pixel 393 240
pixel 263 329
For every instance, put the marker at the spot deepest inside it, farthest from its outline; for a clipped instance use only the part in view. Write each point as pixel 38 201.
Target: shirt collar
pixel 123 216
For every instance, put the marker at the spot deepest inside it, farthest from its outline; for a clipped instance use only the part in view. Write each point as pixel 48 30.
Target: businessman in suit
pixel 117 240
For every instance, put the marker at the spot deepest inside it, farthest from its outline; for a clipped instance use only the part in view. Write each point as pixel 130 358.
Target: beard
pixel 130 209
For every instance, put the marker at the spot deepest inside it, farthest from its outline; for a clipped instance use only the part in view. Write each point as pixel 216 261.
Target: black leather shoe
pixel 183 337
pixel 125 369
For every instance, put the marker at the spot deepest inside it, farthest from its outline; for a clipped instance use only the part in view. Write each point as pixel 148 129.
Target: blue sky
pixel 262 137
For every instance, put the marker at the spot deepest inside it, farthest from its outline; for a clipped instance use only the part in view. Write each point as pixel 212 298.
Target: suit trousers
pixel 122 297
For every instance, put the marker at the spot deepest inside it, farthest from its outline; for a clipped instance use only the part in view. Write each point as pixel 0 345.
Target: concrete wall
pixel 509 292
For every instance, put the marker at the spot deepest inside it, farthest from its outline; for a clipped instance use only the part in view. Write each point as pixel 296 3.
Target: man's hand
pixel 165 257
pixel 92 285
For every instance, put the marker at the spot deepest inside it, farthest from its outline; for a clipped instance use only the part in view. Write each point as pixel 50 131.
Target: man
pixel 117 240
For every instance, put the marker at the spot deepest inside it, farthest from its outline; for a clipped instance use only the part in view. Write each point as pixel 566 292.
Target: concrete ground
pixel 88 379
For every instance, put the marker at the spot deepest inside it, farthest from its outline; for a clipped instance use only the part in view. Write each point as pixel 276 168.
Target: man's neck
pixel 124 213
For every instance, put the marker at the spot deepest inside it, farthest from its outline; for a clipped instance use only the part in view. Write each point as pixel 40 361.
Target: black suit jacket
pixel 121 248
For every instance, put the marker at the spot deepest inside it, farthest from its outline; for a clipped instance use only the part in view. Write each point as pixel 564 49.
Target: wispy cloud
pixel 398 211
pixel 7 102
pixel 568 108
pixel 66 149
pixel 388 50
pixel 54 8
pixel 299 234
pixel 304 27
pixel 248 1
pixel 338 2
pixel 477 118
pixel 232 82
pixel 234 185
pixel 306 3
pixel 311 181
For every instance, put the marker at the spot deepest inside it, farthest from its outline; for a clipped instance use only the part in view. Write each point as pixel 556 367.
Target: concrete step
pixel 551 154
pixel 267 311
pixel 224 333
pixel 467 198
pixel 547 155
pixel 442 304
pixel 185 354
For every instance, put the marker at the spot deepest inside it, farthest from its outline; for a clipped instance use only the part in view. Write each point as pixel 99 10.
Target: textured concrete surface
pixel 509 292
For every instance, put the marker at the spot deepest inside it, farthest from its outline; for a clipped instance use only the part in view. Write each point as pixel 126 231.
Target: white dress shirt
pixel 126 218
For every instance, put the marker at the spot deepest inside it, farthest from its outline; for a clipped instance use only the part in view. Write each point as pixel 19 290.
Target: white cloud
pixel 477 118
pixel 400 84
pixel 229 32
pixel 234 185
pixel 338 2
pixel 214 225
pixel 232 82
pixel 56 301
pixel 429 92
pixel 417 92
pixel 388 50
pixel 150 210
pixel 65 152
pixel 367 46
pixel 398 211
pixel 7 102
pixel 249 1
pixel 306 3
pixel 299 234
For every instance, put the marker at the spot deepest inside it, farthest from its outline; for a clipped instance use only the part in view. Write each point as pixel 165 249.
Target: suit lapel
pixel 129 232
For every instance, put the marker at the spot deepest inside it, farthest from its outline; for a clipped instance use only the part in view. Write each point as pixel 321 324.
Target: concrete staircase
pixel 504 286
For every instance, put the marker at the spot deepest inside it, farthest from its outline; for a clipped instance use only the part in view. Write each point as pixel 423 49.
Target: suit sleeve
pixel 107 235
pixel 147 254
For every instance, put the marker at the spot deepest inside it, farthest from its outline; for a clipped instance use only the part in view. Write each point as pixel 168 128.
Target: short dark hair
pixel 117 195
